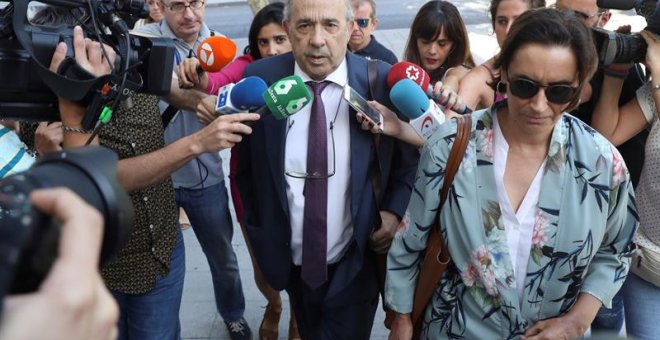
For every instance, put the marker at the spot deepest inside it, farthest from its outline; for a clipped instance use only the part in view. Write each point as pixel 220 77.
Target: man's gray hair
pixel 347 5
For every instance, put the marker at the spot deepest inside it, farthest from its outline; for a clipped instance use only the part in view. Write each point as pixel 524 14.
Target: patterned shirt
pixel 131 133
pixel 13 155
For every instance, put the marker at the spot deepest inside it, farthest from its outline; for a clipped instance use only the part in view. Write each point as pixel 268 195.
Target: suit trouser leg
pixel 348 316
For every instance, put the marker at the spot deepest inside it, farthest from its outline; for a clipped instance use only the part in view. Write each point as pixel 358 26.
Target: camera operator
pixel 146 278
pixel 609 319
pixel 72 303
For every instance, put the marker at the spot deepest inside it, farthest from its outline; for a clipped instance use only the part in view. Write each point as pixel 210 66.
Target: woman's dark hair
pixel 432 19
pixel 273 13
pixel 552 28
pixel 494 4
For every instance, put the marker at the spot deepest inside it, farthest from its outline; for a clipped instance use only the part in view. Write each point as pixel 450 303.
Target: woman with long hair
pixel 540 213
pixel 439 43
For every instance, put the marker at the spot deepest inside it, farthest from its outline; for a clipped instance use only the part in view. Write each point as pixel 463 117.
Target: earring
pixel 500 87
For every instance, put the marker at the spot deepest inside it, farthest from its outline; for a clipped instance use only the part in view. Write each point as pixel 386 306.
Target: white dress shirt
pixel 519 226
pixel 340 224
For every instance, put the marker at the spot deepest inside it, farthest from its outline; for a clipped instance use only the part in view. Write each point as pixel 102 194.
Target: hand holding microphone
pixel 444 97
pixel 425 115
pixel 213 54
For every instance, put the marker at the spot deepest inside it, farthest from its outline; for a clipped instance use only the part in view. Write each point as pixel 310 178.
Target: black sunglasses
pixel 526 89
pixel 362 22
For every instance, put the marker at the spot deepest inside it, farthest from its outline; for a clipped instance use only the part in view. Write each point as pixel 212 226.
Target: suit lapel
pixel 360 140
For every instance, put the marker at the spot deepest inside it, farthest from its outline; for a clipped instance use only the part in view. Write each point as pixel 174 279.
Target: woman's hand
pixel 446 96
pixel 563 327
pixel 189 77
pixel 402 327
pixel 652 51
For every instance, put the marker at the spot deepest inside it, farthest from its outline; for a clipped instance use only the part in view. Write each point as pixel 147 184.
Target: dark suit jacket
pixel 262 182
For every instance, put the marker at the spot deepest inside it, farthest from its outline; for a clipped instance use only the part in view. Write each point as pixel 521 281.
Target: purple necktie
pixel 314 262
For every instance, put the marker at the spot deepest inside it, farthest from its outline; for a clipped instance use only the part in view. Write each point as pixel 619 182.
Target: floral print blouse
pixel 585 219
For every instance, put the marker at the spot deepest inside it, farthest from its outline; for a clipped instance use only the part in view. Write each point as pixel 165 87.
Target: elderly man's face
pixel 184 17
pixel 319 33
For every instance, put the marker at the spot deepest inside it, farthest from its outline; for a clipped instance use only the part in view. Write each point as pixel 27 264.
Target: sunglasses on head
pixel 526 89
pixel 362 22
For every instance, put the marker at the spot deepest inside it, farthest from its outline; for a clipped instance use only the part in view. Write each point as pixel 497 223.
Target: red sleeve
pixel 231 73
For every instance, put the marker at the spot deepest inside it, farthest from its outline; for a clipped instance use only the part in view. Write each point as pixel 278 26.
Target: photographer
pixel 609 319
pixel 146 278
pixel 641 292
pixel 72 303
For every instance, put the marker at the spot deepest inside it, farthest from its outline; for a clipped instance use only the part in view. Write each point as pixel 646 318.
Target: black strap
pixel 168 114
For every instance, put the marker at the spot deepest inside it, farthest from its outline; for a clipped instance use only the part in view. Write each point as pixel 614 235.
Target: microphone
pixel 425 115
pixel 408 70
pixel 214 53
pixel 244 96
pixel 286 97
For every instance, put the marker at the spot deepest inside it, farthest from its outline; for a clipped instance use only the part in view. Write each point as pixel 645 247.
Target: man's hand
pixel 48 137
pixel 188 76
pixel 381 239
pixel 223 133
pixel 73 302
pixel 402 328
pixel 89 56
pixel 87 53
pixel 206 110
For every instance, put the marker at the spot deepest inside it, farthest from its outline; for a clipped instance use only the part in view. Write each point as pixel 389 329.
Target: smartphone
pixel 360 104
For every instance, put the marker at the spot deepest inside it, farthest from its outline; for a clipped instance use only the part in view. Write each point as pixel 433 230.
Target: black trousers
pixel 347 316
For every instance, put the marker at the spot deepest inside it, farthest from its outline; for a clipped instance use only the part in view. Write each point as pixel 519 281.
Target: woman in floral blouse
pixel 541 212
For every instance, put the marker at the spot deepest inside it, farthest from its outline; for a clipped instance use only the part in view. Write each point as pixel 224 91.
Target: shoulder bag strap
pixel 436 258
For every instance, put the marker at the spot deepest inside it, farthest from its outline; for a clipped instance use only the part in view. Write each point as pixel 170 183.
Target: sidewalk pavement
pixel 199 318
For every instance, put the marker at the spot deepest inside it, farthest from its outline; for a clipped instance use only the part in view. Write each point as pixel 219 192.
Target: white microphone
pixel 425 115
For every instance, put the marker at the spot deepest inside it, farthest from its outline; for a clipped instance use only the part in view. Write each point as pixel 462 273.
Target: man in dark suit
pixel 306 181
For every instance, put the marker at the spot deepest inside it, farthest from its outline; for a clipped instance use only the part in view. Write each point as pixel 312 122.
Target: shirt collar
pixel 368 47
pixel 338 76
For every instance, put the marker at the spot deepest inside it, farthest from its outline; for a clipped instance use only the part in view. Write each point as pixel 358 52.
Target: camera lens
pixel 29 239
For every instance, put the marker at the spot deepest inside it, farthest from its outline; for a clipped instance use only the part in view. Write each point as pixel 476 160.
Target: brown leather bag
pixel 436 257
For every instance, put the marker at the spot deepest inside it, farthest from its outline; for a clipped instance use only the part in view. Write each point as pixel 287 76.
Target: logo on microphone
pixel 426 126
pixel 206 54
pixel 284 86
pixel 412 73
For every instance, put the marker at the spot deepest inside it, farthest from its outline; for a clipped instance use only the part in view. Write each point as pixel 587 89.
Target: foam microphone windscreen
pixel 215 52
pixel 409 98
pixel 405 69
pixel 247 94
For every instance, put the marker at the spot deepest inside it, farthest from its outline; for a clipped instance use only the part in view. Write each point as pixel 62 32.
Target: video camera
pixel 29 90
pixel 626 48
pixel 29 240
